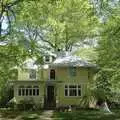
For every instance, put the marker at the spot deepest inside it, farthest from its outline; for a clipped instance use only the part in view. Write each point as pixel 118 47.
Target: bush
pixel 114 105
pixel 37 106
pixel 11 105
pixel 26 104
pixel 6 94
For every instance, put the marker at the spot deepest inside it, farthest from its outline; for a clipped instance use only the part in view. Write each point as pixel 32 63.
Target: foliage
pixel 108 50
pixel 103 84
pixel 56 24
pixel 6 94
pixel 87 53
pixel 7 14
pixel 99 90
pixel 25 104
pixel 60 23
pixel 88 99
pixel 11 55
pixel 28 104
pixel 85 114
pixel 108 53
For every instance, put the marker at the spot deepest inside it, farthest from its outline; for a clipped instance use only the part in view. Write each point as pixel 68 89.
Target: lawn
pixel 87 115
pixel 75 115
pixel 19 115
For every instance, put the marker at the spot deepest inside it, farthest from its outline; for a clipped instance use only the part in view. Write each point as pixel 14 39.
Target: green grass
pixel 31 115
pixel 87 115
pixel 75 115
pixel 9 114
pixel 28 115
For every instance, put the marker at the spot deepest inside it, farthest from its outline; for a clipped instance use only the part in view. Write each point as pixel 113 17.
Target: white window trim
pixel 73 88
pixel 25 87
pixel 50 59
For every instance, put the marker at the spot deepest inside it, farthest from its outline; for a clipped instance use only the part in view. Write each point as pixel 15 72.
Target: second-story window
pixel 47 59
pixel 52 74
pixel 72 71
pixel 32 74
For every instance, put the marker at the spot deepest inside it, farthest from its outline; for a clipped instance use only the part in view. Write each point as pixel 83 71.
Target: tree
pixel 7 13
pixel 89 54
pixel 107 86
pixel 108 51
pixel 62 21
pixel 58 23
pixel 68 21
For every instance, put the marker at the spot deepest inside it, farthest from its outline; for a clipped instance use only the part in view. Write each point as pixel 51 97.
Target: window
pixel 47 59
pixel 28 91
pixel 73 90
pixel 35 91
pixel 52 74
pixel 79 90
pixel 66 90
pixel 32 74
pixel 72 71
pixel 21 91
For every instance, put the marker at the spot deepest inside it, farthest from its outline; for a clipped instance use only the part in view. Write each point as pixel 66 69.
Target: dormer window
pixel 32 74
pixel 47 58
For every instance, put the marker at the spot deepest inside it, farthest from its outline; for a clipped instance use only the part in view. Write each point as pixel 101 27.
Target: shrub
pixel 6 94
pixel 11 105
pixel 26 104
pixel 37 106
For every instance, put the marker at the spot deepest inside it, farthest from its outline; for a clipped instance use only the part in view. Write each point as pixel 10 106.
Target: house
pixel 60 82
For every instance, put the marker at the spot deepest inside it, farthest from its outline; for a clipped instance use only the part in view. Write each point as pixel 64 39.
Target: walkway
pixel 46 115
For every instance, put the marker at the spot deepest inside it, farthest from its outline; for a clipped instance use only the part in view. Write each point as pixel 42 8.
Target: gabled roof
pixel 72 61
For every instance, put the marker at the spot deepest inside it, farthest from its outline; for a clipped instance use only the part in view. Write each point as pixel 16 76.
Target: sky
pixel 4 25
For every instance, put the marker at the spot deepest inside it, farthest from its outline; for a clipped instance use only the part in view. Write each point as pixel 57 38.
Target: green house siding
pixel 69 100
pixel 63 76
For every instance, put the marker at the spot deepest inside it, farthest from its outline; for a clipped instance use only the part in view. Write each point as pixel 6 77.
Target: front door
pixel 51 102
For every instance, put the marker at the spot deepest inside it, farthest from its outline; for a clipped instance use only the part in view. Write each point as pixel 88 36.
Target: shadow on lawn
pixel 9 114
pixel 87 115
pixel 27 115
